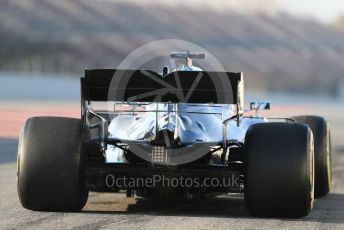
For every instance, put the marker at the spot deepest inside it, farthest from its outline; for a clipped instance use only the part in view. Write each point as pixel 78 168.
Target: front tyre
pixel 49 176
pixel 279 170
pixel 322 153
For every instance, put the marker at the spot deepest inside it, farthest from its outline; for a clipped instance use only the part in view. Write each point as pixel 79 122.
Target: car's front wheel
pixel 322 153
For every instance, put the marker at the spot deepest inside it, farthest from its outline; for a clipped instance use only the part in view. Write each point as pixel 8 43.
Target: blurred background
pixel 291 52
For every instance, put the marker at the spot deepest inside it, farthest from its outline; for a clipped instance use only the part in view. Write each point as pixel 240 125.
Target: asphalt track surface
pixel 115 211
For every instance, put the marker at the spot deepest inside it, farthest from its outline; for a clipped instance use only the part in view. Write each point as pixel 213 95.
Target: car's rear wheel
pixel 49 176
pixel 279 170
pixel 322 153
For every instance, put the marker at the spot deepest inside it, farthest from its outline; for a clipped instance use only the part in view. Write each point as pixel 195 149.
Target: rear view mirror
pixel 260 105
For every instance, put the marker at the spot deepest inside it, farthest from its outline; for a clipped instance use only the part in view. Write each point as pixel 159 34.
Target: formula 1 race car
pixel 179 134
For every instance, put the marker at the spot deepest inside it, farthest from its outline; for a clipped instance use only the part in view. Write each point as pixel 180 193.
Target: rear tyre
pixel 279 170
pixel 49 176
pixel 322 153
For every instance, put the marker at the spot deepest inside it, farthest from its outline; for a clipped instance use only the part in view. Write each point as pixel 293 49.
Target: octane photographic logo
pixel 149 122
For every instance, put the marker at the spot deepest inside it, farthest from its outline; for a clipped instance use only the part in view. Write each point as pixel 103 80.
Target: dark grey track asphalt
pixel 115 211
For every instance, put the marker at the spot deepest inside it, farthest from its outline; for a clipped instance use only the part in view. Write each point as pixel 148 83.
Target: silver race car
pixel 179 135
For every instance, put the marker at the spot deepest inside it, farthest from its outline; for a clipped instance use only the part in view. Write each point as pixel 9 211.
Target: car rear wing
pixel 175 87
pixel 119 85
